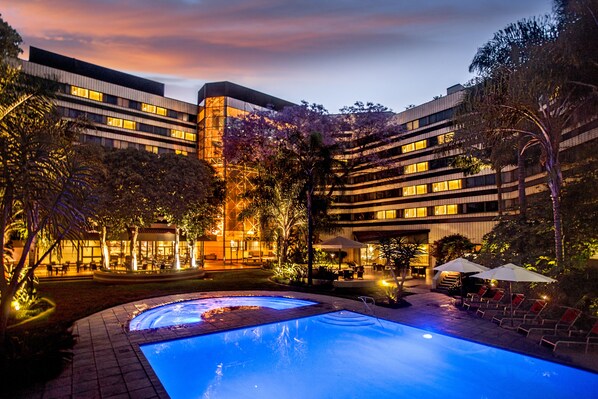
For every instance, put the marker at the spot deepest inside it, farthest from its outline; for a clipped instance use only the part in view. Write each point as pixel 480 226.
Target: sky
pixel 329 52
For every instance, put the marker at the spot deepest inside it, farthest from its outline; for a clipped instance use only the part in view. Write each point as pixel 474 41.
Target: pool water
pixel 349 355
pixel 189 312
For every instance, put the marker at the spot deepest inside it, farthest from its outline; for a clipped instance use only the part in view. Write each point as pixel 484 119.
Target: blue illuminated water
pixel 349 355
pixel 189 312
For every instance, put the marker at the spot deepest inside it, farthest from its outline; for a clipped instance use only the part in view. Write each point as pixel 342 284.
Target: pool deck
pixel 107 361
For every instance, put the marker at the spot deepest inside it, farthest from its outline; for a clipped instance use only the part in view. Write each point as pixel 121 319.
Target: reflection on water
pixel 346 355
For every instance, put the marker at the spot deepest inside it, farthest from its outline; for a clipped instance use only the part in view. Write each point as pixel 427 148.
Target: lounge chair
pixel 477 296
pixel 502 309
pixel 565 323
pixel 522 316
pixel 485 302
pixel 573 337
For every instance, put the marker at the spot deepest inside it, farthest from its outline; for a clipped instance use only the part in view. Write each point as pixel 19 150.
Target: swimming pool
pixel 349 355
pixel 190 312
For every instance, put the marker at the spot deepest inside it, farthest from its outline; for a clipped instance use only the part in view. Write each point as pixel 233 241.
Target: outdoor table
pixel 57 268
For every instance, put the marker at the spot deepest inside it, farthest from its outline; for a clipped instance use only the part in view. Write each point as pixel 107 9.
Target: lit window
pixel 151 148
pixel 440 186
pixel 413 124
pixel 179 134
pixel 190 136
pixel 95 95
pixel 416 167
pixel 446 185
pixel 161 111
pixel 446 138
pixel 235 113
pixel 129 125
pixel 415 190
pixel 416 212
pixel 454 184
pixel 390 214
pixel 116 122
pixel 148 108
pixel 79 92
pixel 181 152
pixel 418 145
pixel 445 210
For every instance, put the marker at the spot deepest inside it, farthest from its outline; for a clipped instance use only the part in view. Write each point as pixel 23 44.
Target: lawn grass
pixel 78 299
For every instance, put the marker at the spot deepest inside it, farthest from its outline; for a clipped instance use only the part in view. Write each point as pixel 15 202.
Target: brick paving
pixel 107 361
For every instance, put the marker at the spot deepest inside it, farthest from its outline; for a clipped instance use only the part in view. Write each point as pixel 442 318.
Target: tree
pixel 46 190
pixel 398 254
pixel 450 247
pixel 188 194
pixel 130 188
pixel 10 41
pixel 45 187
pixel 523 91
pixel 274 201
pixel 305 143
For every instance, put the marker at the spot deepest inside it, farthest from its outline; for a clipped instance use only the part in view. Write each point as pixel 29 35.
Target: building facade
pixel 417 194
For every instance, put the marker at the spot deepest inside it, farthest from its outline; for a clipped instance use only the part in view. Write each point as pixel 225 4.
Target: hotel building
pixel 417 194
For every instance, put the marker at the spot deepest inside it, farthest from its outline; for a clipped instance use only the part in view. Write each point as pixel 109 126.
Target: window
pixel 116 122
pixel 416 167
pixel 446 185
pixel 445 210
pixel 389 214
pixel 179 134
pixel 413 125
pixel 151 148
pixel 79 92
pixel 446 138
pixel 161 111
pixel 181 152
pixel 129 125
pixel 416 212
pixel 95 95
pixel 148 108
pixel 190 136
pixel 415 190
pixel 418 145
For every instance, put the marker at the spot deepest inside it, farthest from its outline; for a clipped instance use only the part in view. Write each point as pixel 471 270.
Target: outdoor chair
pixel 573 337
pixel 49 269
pixel 485 302
pixel 502 308
pixel 520 315
pixel 565 323
pixel 477 296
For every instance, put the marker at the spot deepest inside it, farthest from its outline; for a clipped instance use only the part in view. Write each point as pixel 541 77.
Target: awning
pixel 149 234
pixel 375 236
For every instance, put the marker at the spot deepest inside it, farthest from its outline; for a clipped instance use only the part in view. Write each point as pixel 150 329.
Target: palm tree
pixel 523 92
pixel 46 189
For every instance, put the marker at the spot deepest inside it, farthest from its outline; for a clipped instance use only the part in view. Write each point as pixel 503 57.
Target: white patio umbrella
pixel 339 243
pixel 513 273
pixel 461 265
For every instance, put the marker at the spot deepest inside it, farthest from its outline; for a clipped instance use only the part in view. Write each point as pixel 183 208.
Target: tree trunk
pixel 555 180
pixel 104 248
pixel 134 235
pixel 191 246
pixel 498 174
pixel 310 235
pixel 177 252
pixel 521 177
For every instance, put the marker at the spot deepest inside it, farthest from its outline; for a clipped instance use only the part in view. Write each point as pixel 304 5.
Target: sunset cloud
pixel 249 41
